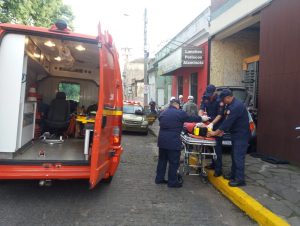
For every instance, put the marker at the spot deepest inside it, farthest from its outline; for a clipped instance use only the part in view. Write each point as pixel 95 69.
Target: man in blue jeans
pixel 171 124
pixel 236 122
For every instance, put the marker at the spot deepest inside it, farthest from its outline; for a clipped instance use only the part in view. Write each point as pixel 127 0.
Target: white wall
pixel 160 97
pixel 232 15
pixel 152 87
pixel 227 57
pixel 139 92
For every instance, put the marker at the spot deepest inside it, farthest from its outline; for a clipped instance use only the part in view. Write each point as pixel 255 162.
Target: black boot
pixel 217 173
pixel 236 183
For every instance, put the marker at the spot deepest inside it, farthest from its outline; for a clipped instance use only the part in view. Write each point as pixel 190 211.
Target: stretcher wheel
pixel 204 179
pixel 184 169
pixel 179 178
pixel 187 173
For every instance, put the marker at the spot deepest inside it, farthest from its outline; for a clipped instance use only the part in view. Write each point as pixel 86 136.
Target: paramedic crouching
pixel 171 124
pixel 237 123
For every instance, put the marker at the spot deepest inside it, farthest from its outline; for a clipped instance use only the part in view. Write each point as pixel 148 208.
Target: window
pixel 130 109
pixel 72 90
pixel 240 94
pixel 179 85
pixel 194 86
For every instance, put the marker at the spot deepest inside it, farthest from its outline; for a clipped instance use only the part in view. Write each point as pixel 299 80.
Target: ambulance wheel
pixel 146 133
pixel 107 180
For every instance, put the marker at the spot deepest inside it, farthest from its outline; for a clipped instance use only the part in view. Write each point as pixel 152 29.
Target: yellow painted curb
pixel 245 202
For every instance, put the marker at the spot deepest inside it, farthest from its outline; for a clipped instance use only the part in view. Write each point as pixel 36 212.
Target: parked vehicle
pixel 42 60
pixel 134 117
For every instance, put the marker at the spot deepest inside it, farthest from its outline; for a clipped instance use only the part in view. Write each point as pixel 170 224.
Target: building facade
pixel 133 80
pixel 185 59
pixel 255 43
pixel 159 86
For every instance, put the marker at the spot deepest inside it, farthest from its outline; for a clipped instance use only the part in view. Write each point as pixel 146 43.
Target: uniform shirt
pixel 236 121
pixel 190 108
pixel 171 124
pixel 213 109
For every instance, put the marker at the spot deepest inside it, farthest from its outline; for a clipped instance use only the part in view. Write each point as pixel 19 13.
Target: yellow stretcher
pixel 196 150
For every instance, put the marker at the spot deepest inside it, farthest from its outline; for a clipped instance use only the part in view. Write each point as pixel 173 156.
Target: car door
pixel 99 161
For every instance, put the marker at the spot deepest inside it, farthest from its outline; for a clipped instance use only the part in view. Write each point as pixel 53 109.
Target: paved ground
pixel 276 186
pixel 131 199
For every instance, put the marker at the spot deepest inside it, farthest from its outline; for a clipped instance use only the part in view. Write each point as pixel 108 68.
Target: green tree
pixel 42 13
pixel 72 90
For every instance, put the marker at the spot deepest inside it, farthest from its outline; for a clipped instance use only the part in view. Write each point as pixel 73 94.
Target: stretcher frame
pixel 201 148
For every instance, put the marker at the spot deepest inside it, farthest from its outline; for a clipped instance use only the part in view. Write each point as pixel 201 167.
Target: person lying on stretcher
pixel 198 129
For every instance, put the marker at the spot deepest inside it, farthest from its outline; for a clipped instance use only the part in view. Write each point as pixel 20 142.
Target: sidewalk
pixel 276 187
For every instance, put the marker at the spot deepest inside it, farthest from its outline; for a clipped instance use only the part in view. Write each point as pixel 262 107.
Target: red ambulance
pixel 71 73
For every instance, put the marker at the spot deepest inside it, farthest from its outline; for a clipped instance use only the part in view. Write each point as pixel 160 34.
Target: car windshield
pixel 130 109
pixel 240 94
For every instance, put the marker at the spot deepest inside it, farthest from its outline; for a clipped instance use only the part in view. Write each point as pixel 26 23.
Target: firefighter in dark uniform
pixel 237 123
pixel 214 108
pixel 171 124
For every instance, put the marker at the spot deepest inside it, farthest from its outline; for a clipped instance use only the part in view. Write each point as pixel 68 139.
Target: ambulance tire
pixel 107 180
pixel 146 133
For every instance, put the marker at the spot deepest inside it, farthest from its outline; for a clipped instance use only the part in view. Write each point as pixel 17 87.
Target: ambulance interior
pixel 60 86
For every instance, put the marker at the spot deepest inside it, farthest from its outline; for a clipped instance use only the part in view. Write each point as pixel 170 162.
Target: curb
pixel 152 131
pixel 245 202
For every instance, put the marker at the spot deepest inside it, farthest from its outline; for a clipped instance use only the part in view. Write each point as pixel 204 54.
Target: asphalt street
pixel 132 198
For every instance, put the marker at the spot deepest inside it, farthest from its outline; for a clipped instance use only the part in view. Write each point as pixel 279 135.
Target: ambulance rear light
pixel 116 136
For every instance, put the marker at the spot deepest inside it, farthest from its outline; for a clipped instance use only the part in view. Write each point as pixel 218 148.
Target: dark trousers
pixel 218 162
pixel 168 156
pixel 238 154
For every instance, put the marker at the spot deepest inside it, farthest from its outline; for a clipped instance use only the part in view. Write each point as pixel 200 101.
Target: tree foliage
pixel 41 13
pixel 72 90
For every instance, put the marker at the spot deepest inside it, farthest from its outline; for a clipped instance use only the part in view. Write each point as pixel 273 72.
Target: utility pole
pixel 146 86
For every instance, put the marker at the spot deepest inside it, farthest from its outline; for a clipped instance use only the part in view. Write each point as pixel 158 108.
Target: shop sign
pixel 192 57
